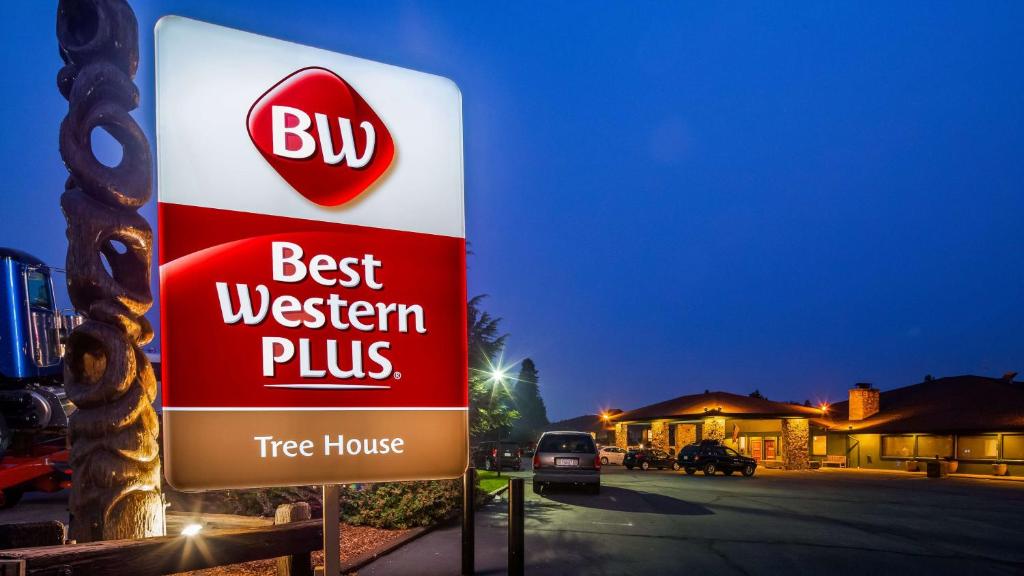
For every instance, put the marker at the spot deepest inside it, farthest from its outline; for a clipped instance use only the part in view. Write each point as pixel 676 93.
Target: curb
pixel 362 561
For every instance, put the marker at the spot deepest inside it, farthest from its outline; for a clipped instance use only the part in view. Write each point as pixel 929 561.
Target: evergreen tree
pixel 489 399
pixel 526 398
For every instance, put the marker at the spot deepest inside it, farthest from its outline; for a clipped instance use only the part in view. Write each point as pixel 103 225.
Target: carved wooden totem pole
pixel 114 447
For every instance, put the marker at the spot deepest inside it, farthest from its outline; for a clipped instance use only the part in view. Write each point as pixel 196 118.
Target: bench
pixel 832 460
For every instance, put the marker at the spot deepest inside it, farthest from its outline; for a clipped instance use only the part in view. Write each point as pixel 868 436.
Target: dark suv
pixel 487 455
pixel 711 456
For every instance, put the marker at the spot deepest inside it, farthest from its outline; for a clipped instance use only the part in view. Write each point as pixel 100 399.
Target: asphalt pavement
pixel 38 507
pixel 839 522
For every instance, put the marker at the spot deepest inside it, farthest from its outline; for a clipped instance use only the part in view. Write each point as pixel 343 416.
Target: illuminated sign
pixel 312 264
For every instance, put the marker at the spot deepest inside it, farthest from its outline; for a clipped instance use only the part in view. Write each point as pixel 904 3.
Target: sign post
pixel 332 529
pixel 312 266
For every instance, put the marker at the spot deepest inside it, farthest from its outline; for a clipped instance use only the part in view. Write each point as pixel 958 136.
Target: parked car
pixel 486 455
pixel 712 457
pixel 566 458
pixel 612 455
pixel 649 458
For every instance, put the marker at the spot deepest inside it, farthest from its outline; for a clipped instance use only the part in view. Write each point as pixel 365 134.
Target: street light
pixel 497 377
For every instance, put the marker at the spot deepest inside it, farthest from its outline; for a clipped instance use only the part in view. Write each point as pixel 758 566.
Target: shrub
pixel 400 504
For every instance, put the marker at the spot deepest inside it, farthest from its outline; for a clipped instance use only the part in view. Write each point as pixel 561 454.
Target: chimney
pixel 863 401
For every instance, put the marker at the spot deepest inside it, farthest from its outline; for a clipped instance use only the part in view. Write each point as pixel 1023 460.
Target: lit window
pixel 897 446
pixel 932 446
pixel 1013 446
pixel 819 445
pixel 977 447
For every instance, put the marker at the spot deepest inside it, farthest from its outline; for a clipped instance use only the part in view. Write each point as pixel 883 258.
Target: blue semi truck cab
pixel 32 332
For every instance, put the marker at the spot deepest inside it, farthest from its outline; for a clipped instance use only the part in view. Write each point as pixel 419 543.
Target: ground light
pixel 191 529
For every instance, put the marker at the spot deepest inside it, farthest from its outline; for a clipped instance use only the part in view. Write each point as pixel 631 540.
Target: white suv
pixel 612 455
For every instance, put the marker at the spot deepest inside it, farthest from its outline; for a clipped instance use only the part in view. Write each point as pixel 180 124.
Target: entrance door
pixel 769 448
pixel 755 448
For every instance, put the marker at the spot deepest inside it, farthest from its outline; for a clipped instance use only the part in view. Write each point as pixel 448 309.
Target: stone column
pixel 621 438
pixel 795 442
pixel 686 434
pixel 714 428
pixel 659 435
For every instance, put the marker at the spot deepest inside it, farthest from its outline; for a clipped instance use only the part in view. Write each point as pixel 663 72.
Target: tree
pixel 757 394
pixel 526 398
pixel 489 399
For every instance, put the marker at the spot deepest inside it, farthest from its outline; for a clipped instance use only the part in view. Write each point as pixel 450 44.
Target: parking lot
pixel 842 522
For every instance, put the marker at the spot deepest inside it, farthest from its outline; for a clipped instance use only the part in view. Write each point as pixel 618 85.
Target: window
pixel 731 452
pixel 819 445
pixel 1013 446
pixel 932 446
pixel 38 286
pixel 897 446
pixel 977 447
pixel 567 443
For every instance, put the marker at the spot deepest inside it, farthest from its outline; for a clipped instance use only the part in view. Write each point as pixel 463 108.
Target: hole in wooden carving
pixel 83 21
pixel 106 264
pixel 118 246
pixel 89 361
pixel 107 150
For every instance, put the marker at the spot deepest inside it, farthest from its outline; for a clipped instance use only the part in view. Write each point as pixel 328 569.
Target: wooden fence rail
pixel 165 554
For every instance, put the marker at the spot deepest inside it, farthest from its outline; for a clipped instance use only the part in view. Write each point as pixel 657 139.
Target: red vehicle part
pixel 43 469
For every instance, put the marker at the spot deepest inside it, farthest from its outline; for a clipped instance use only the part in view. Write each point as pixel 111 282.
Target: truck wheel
pixel 10 497
pixel 709 469
pixel 5 436
pixel 538 487
pixel 675 465
pixel 629 466
pixel 488 465
pixel 644 466
pixel 748 470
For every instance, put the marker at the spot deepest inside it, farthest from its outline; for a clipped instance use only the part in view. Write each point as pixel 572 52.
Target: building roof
pixel 717 404
pixel 585 423
pixel 954 404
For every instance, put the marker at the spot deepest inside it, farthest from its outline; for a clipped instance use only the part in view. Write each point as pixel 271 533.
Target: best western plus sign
pixel 312 264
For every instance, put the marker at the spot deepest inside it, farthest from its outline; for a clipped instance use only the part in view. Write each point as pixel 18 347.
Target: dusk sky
pixel 667 198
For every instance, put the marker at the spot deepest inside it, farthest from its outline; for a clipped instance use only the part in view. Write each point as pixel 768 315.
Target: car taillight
pixel 597 462
pixel 519 453
pixel 536 461
pixel 494 452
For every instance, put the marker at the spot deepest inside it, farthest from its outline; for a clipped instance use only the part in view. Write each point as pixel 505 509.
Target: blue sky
pixel 665 198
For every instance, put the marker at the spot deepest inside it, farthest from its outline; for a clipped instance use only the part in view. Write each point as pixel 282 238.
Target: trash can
pixel 934 470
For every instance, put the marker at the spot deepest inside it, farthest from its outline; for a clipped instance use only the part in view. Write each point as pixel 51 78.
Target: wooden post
pixel 116 489
pixel 468 522
pixel 332 530
pixel 516 533
pixel 298 564
pixel 28 534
